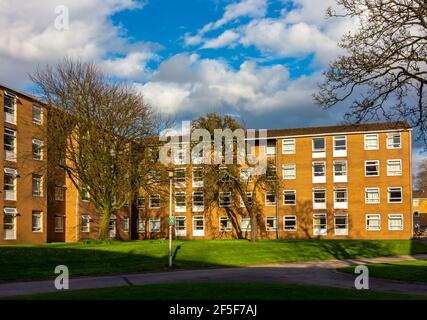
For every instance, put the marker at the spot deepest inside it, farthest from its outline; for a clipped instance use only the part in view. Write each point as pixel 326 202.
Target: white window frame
pixel 389 195
pixel 180 182
pixel 197 183
pixel 246 221
pixel 222 196
pixel 366 195
pixel 38 213
pixel 391 144
pixel 341 231
pixel 246 174
pixel 323 229
pixel 180 208
pixel 126 224
pixel 85 229
pixel 228 225
pixel 11 213
pixel 395 216
pixel 141 225
pixel 270 204
pixel 154 225
pixel 271 228
pixel 319 205
pixel 290 218
pixel 378 168
pixel 10 195
pixel 180 231
pixel 391 173
pixel 270 150
pixel 340 204
pixel 39 144
pixel 294 192
pixel 249 195
pixel 10 155
pixel 198 232
pixel 59 196
pixel 61 218
pixel 321 152
pixel 150 201
pixel 341 177
pixel 38 193
pixel 288 142
pixel 339 152
pixel 289 167
pixel 140 202
pixel 317 178
pixel 197 207
pixel 8 116
pixel 373 216
pixel 367 137
pixel 35 120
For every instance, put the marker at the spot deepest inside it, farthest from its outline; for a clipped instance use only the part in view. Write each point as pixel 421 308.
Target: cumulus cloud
pixel 223 40
pixel 29 36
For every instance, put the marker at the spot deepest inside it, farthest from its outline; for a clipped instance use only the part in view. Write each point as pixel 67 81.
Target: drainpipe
pixel 410 182
pixel 77 216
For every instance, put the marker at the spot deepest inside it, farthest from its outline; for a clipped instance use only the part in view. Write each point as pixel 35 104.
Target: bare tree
pixel 247 189
pixel 99 133
pixel 384 70
pixel 421 178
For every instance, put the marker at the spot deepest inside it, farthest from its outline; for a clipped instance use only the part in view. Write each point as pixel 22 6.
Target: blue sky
pixel 260 60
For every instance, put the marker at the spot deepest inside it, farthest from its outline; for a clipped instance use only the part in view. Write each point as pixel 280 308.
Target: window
pixel 416 202
pixel 198 226
pixel 85 223
pixel 340 146
pixel 340 171
pixel 245 224
pixel 271 148
pixel 9 223
pixel 246 174
pixel 319 172
pixel 249 199
pixel 225 224
pixel 126 224
pixel 393 140
pixel 289 197
pixel 290 223
pixel 180 202
pixel 37 185
pixel 318 148
pixel 394 167
pixel 59 193
pixel 141 225
pixel 288 146
pixel 85 193
pixel 37 115
pixel 289 171
pixel 36 221
pixel 373 222
pixel 372 195
pixel 180 226
pixel 10 108
pixel 395 194
pixel 197 177
pixel 154 225
pixel 154 201
pixel 340 198
pixel 270 223
pixel 140 202
pixel 271 173
pixel 180 154
pixel 225 199
pixel 395 222
pixel 319 199
pixel 319 224
pixel 270 199
pixel 371 142
pixel 59 223
pixel 37 149
pixel 198 201
pixel 9 184
pixel 179 177
pixel 9 144
pixel 372 168
pixel 341 224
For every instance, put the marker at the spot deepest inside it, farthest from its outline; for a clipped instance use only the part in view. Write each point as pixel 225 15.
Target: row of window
pixel 372 196
pixel 10 146
pixel 371 142
pixel 9 222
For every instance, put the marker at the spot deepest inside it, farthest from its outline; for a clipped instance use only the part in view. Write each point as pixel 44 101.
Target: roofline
pixel 22 93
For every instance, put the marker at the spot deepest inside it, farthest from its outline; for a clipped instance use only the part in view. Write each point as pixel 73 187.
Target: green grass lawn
pixel 206 291
pixel 403 270
pixel 25 262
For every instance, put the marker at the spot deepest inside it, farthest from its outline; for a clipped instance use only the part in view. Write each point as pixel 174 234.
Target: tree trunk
pixel 254 227
pixel 105 224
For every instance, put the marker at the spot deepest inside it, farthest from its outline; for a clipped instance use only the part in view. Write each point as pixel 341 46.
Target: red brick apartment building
pixel 339 182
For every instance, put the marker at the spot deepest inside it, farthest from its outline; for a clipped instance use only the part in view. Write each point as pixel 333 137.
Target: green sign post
pixel 171 221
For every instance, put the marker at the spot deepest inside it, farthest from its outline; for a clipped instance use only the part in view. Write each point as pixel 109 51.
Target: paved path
pixel 319 273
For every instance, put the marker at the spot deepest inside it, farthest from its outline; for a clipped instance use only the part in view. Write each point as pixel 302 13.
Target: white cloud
pixel 131 66
pixel 223 40
pixel 29 36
